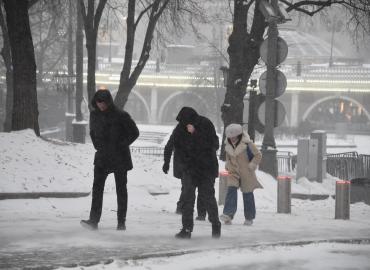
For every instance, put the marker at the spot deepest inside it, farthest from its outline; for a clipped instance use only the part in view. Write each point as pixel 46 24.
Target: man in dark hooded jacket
pixel 178 172
pixel 197 151
pixel 112 131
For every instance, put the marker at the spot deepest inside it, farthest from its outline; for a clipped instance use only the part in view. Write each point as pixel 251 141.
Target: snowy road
pixel 46 233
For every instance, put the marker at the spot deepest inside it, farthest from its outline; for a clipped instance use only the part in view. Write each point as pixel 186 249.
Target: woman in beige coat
pixel 242 159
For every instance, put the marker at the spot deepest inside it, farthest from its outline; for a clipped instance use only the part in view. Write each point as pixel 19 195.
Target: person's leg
pixel 120 177
pixel 206 190
pixel 231 202
pixel 189 200
pixel 188 207
pixel 100 175
pixel 249 207
pixel 180 203
pixel 201 208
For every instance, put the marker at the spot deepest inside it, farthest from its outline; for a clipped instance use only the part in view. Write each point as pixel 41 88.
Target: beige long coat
pixel 237 164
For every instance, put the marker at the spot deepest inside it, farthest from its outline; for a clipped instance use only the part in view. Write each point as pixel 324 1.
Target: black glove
pixel 165 167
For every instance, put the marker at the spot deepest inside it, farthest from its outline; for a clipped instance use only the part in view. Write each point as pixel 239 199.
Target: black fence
pixel 284 158
pixel 348 165
pixel 148 150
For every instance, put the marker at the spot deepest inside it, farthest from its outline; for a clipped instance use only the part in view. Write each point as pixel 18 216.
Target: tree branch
pixel 142 13
pixel 320 4
pixel 98 14
pixel 31 3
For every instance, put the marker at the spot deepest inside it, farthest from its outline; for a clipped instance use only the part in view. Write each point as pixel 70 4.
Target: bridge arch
pixel 170 98
pixel 318 102
pixel 141 98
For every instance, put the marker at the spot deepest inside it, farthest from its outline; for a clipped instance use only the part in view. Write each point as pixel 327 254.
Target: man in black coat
pixel 197 152
pixel 178 172
pixel 112 131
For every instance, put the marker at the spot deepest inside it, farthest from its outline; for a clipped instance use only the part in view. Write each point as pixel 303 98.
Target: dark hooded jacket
pixel 178 154
pixel 198 150
pixel 111 131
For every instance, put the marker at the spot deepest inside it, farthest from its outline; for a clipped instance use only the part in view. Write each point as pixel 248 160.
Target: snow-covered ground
pixel 45 232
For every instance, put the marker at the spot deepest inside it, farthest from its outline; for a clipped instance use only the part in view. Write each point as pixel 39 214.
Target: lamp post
pixel 252 110
pixel 65 83
pixel 2 103
pixel 225 74
pixel 274 13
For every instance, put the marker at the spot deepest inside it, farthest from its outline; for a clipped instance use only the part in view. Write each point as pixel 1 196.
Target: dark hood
pixel 187 115
pixel 103 95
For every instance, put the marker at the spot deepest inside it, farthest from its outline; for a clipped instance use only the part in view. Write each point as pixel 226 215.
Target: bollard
pixel 342 199
pixel 222 187
pixel 284 194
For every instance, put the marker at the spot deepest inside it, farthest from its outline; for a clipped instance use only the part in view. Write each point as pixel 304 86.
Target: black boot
pixel 216 230
pixel 121 226
pixel 201 218
pixel 88 224
pixel 184 234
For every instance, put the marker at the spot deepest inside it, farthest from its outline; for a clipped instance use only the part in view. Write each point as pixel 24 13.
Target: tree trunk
pixel 7 57
pixel 127 80
pixel 70 59
pixel 91 21
pixel 243 52
pixel 79 64
pixel 91 65
pixel 25 111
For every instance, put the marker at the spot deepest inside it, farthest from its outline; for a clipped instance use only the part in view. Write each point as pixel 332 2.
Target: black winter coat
pixel 111 131
pixel 178 163
pixel 198 150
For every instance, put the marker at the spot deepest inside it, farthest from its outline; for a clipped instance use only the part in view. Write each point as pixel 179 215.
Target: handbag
pixel 250 154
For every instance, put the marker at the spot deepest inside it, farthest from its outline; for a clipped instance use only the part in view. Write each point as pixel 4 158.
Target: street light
pixel 65 83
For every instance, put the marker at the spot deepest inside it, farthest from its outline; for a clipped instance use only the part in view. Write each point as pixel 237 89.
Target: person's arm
pixel 257 153
pixel 92 130
pixel 168 149
pixel 253 164
pixel 130 128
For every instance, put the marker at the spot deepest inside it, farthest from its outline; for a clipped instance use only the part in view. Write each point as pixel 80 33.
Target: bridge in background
pixel 321 95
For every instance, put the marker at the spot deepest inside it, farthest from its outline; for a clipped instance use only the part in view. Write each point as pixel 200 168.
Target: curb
pixel 312 197
pixel 38 195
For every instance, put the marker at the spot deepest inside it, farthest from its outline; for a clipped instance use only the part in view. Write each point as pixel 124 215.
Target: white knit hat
pixel 233 130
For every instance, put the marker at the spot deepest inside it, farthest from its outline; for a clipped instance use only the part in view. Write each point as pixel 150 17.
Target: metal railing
pixel 285 161
pixel 284 158
pixel 148 150
pixel 348 165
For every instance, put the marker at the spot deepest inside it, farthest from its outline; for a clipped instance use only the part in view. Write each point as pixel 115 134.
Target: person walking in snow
pixel 242 159
pixel 112 131
pixel 198 145
pixel 178 171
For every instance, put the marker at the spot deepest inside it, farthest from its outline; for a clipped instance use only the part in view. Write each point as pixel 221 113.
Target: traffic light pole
pixel 269 160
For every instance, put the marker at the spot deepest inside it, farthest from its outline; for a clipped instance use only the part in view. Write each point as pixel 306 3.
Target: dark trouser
pixel 201 208
pixel 231 202
pixel 206 191
pixel 100 175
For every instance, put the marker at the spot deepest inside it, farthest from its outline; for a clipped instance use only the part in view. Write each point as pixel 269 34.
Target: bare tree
pixel 49 30
pixel 7 57
pixel 42 46
pixel 91 18
pixel 25 111
pixel 245 40
pixel 170 13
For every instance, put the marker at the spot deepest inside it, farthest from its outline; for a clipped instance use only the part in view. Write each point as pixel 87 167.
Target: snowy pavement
pixel 45 233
